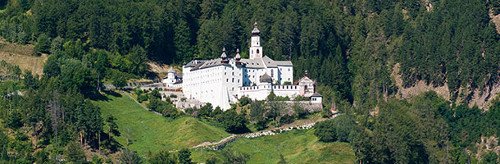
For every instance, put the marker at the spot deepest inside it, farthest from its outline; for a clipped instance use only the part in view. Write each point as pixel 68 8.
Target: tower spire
pixel 255 46
pixel 255 30
pixel 237 57
pixel 223 55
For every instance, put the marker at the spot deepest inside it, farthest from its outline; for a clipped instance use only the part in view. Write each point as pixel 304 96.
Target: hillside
pixel 147 131
pixel 483 99
pixel 296 147
pixel 22 55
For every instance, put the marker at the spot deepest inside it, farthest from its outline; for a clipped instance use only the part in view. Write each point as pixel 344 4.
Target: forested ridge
pixel 349 46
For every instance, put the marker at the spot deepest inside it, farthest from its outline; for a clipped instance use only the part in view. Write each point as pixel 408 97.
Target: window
pixel 257 51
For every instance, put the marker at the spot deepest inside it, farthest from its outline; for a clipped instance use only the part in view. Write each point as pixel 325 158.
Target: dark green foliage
pixel 41 156
pixel 113 127
pixel 356 43
pixel 42 44
pixel 426 130
pixel 162 157
pixel 299 111
pixel 74 153
pixel 338 129
pixel 30 81
pixel 234 157
pixel 211 160
pixel 325 131
pixel 137 57
pixel 4 144
pixel 233 122
pixel 129 157
pixel 205 110
pixel 51 67
pixel 184 156
pixel 245 101
pixel 14 120
pixel 257 110
pixel 165 108
pixel 271 97
pixel 56 45
pixel 119 79
pixel 490 158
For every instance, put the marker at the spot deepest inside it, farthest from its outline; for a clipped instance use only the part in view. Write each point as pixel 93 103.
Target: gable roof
pixel 269 62
pixel 316 95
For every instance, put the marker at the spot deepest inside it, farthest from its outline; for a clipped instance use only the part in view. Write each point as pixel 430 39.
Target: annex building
pixel 222 81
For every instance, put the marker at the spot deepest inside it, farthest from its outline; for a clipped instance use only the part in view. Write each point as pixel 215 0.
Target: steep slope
pixel 144 131
pixel 480 98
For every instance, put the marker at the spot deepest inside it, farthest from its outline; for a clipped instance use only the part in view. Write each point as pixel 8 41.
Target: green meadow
pixel 145 131
pixel 299 146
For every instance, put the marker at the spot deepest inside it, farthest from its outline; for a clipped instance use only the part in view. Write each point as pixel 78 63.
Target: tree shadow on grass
pixel 113 93
pixel 102 97
pixel 110 142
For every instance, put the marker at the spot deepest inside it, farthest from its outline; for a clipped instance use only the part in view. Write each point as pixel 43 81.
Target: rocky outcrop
pixel 481 98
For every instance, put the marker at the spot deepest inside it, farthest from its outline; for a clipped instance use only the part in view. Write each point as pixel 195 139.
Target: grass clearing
pixel 22 55
pixel 299 146
pixel 144 131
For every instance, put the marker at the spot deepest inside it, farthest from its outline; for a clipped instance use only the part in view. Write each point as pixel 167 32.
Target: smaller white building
pixel 172 80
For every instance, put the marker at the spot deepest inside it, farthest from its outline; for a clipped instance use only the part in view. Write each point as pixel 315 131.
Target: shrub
pixel 233 122
pixel 163 157
pixel 325 132
pixel 338 129
pixel 141 98
pixel 42 44
pixel 245 101
pixel 184 156
pixel 170 111
pixel 74 153
pixel 299 111
pixel 155 94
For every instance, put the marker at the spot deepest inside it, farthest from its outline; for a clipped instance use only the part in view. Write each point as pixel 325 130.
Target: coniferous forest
pixel 350 47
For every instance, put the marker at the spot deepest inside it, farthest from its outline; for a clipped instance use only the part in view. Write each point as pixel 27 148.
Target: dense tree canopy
pixel 357 43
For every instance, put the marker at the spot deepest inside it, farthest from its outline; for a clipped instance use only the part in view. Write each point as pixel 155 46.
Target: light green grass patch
pixel 297 147
pixel 143 131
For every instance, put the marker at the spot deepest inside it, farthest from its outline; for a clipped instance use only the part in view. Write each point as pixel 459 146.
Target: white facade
pixel 172 79
pixel 224 80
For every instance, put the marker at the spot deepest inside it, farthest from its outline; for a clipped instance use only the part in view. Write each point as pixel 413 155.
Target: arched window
pixel 257 51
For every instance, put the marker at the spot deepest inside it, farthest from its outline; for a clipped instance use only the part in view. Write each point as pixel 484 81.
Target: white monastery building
pixel 222 81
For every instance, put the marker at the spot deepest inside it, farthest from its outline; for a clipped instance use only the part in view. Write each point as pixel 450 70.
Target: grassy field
pixel 296 147
pixel 146 131
pixel 22 55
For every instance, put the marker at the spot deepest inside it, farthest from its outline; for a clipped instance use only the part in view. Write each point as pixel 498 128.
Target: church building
pixel 222 81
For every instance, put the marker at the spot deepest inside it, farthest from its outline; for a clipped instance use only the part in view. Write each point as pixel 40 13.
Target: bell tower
pixel 255 46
